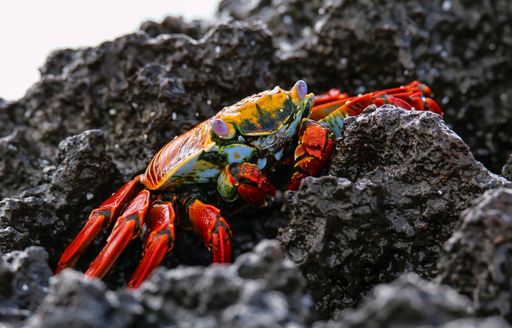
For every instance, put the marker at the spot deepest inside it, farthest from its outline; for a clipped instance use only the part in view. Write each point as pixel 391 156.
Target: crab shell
pixel 251 130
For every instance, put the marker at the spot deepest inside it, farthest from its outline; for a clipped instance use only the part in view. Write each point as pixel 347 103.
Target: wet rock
pixel 413 302
pixel 403 179
pixel 506 171
pixel 27 221
pixel 476 260
pixel 19 165
pixel 460 48
pixel 45 213
pixel 261 289
pixel 23 282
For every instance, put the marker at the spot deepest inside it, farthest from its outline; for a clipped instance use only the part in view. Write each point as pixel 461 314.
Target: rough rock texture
pixel 506 171
pixel 413 302
pixel 461 48
pixel 42 215
pixel 144 90
pixel 409 178
pixel 19 163
pixel 23 282
pixel 477 258
pixel 261 289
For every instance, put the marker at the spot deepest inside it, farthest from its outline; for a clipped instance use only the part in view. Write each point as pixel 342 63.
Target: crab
pixel 227 157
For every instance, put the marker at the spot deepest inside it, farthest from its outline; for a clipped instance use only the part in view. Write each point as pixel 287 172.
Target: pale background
pixel 31 29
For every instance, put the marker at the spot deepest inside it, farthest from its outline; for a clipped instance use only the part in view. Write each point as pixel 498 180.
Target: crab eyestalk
pixel 222 129
pixel 299 90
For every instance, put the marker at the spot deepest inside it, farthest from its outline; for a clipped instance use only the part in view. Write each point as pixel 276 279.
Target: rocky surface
pixel 402 179
pixel 399 183
pixel 477 260
pixel 261 289
pixel 413 302
pixel 23 283
pixel 506 171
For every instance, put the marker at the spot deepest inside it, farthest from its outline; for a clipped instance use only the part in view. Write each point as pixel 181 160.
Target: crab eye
pixel 302 89
pixel 221 129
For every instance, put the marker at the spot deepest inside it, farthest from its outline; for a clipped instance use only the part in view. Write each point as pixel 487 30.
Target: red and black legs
pixel 414 95
pixel 314 150
pixel 159 240
pixel 99 219
pixel 130 206
pixel 128 226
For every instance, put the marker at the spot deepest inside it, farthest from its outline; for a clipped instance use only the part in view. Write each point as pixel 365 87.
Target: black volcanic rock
pixel 506 171
pixel 23 282
pixel 261 289
pixel 403 179
pixel 476 261
pixel 411 301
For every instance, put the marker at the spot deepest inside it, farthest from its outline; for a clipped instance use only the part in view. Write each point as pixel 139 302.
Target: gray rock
pixel 23 283
pixel 410 176
pixel 412 302
pixel 506 171
pixel 19 163
pixel 476 260
pixel 261 289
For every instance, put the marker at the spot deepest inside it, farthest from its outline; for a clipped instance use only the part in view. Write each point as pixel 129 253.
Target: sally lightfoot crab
pixel 227 157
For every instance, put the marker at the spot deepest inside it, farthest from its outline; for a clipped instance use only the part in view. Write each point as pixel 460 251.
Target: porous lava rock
pixel 261 289
pixel 43 215
pixel 144 88
pixel 506 171
pixel 23 282
pixel 476 261
pixel 400 180
pixel 411 301
pixel 20 163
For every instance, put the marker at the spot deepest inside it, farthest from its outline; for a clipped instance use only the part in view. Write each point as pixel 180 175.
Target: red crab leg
pixel 313 152
pixel 330 96
pixel 207 222
pixel 159 240
pixel 415 94
pixel 127 227
pixel 99 218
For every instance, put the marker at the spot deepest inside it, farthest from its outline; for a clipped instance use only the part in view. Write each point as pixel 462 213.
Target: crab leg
pixel 415 94
pixel 99 219
pixel 159 240
pixel 207 222
pixel 127 227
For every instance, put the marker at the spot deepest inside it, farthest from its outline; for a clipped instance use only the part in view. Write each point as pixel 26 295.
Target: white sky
pixel 31 29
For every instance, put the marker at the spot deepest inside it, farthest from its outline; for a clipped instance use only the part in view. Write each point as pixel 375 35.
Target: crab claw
pixel 207 222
